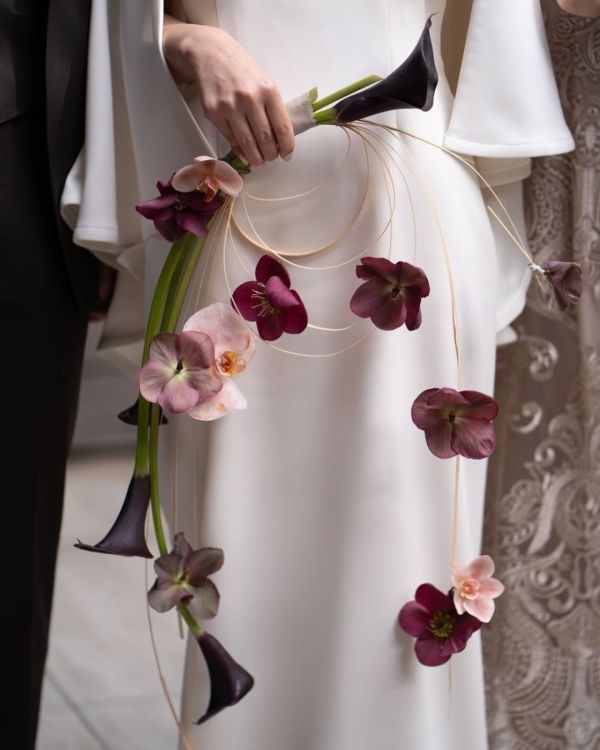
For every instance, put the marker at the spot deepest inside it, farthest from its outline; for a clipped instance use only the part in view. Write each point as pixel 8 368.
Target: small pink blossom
pixel 475 589
pixel 208 176
pixel 179 373
pixel 234 349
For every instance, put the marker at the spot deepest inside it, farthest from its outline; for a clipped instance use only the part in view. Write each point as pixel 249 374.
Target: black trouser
pixel 42 336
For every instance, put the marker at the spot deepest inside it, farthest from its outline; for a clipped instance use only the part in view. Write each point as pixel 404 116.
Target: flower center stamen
pixel 442 624
pixel 265 307
pixel 469 588
pixel 230 363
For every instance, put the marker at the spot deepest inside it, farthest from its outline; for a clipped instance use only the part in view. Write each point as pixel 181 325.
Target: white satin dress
pixel 323 494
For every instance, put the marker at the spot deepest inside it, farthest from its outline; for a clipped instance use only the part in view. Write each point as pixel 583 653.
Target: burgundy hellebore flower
pixel 412 85
pixel 182 576
pixel 127 535
pixel 456 422
pixel 391 295
pixel 566 280
pixel 174 213
pixel 433 620
pixel 179 372
pixel 270 302
pixel 229 682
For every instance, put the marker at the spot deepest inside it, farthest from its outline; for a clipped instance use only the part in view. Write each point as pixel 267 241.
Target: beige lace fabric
pixel 542 526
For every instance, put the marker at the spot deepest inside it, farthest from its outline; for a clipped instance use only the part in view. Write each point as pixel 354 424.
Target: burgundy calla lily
pixel 433 620
pixel 411 85
pixel 566 279
pixel 229 682
pixel 391 295
pixel 126 536
pixel 174 213
pixel 270 302
pixel 456 422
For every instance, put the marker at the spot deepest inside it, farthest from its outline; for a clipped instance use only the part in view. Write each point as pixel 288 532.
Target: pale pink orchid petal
pixel 226 328
pixel 216 174
pixel 228 398
pixel 491 587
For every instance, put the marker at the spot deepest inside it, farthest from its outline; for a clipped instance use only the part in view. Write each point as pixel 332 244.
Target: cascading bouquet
pixel 190 369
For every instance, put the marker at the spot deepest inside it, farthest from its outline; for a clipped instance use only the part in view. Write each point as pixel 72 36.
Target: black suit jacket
pixel 57 30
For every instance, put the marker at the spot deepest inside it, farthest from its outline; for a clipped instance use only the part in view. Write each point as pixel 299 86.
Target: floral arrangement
pixel 191 368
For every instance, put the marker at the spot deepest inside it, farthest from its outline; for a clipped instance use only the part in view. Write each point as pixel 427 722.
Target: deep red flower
pixel 174 213
pixel 270 302
pixel 566 280
pixel 391 295
pixel 456 422
pixel 433 620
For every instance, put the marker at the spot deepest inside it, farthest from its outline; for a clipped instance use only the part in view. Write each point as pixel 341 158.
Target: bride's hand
pixel 237 96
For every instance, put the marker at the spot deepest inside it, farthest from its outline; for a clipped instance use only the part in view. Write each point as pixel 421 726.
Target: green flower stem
pixel 325 116
pixel 181 284
pixel 346 91
pixel 189 620
pixel 154 486
pixel 155 317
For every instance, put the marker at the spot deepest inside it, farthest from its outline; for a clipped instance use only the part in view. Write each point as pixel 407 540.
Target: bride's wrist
pixel 184 44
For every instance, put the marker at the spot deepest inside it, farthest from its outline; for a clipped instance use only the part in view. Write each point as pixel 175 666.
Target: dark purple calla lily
pixel 130 415
pixel 229 682
pixel 566 280
pixel 433 620
pixel 126 536
pixel 456 423
pixel 270 302
pixel 391 295
pixel 411 85
pixel 174 213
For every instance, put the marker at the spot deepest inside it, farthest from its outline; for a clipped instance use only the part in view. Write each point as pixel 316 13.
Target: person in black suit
pixel 48 290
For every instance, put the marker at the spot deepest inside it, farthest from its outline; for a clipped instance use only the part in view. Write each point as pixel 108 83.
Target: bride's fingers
pixel 244 138
pixel 262 132
pixel 280 125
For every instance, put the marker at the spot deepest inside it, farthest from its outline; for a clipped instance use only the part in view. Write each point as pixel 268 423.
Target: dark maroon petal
pixel 270 327
pixel 367 298
pixel 390 314
pixel 410 85
pixel 165 188
pixel 414 278
pixel 153 208
pixel 448 400
pixel 192 222
pixel 245 301
pixel 229 682
pixel 376 268
pixel 126 536
pixel 201 563
pixel 472 438
pixel 170 229
pixel 414 619
pixel 464 629
pixel 195 201
pixel 480 405
pixel 567 281
pixel 432 651
pixel 269 266
pixel 432 599
pixel 412 299
pixel 422 414
pixel 439 439
pixel 279 295
pixel 295 319
pixel 130 415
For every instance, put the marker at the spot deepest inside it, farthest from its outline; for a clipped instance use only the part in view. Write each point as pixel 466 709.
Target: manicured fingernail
pixel 288 157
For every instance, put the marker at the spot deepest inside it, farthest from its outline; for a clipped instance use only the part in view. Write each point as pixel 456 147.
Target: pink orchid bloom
pixel 475 589
pixel 179 373
pixel 234 349
pixel 208 176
